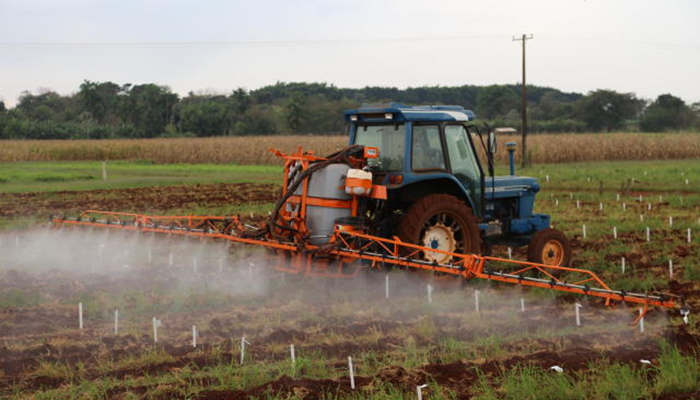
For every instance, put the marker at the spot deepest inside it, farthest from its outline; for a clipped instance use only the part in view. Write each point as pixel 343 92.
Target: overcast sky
pixel 646 47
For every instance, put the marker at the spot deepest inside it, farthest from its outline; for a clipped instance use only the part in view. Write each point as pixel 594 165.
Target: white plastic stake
pixel 670 221
pixel 661 199
pixel 571 195
pixel 430 294
pixel 547 178
pixel 589 179
pixel 640 198
pixel 601 206
pixel 617 197
pixel 648 234
pixel 522 304
pixel 510 253
pixel 624 206
pixel 649 206
pixel 685 312
pixel 476 300
pixel 419 391
pixel 623 265
pixel 584 230
pixel 641 322
pixel 578 316
pixel 194 336
pixel 670 269
pixel 250 269
pixel 80 315
pixel 170 259
pixel 291 353
pixel 243 343
pixel 352 374
pixel 116 321
pixel 690 238
pixel 578 203
pixel 386 286
pixel 104 170
pixel 155 330
pixel 641 217
pixel 686 181
pixel 615 232
pixel 556 202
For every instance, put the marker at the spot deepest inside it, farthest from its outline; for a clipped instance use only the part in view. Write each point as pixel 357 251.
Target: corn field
pixel 542 149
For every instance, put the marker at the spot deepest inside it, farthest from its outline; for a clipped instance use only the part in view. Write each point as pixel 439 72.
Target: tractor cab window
pixel 465 166
pixel 389 139
pixel 426 153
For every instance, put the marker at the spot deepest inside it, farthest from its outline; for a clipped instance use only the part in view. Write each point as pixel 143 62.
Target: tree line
pixel 109 110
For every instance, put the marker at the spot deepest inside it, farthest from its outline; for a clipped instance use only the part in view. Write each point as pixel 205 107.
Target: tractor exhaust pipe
pixel 511 151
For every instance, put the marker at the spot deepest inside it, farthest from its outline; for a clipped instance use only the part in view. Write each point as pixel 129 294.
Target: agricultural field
pixel 478 340
pixel 253 150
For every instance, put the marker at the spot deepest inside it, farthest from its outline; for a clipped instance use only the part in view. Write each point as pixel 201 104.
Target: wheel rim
pixel 553 253
pixel 442 232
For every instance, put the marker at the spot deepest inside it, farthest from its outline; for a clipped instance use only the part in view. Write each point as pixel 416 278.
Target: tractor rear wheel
pixel 550 247
pixel 443 222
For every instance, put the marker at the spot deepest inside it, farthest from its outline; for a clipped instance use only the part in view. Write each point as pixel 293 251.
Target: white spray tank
pixel 327 183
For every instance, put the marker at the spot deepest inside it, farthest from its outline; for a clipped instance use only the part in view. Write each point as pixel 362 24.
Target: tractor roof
pixel 400 113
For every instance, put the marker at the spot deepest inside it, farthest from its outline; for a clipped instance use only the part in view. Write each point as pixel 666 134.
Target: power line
pixel 247 42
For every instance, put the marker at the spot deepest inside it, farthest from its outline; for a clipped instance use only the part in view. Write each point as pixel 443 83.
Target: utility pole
pixel 523 106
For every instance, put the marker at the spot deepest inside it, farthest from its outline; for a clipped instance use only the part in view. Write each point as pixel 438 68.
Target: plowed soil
pixel 142 200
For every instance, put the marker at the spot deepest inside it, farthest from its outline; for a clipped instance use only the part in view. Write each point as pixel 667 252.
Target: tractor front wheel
pixel 550 247
pixel 441 222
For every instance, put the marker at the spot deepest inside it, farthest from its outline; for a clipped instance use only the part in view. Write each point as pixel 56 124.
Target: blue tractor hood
pixel 510 186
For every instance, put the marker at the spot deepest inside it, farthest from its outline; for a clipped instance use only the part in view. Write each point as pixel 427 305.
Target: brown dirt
pixel 136 200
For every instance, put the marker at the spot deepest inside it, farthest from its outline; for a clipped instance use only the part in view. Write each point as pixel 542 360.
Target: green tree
pixel 667 112
pixel 607 109
pixel 150 108
pixel 204 117
pixel 496 100
pixel 99 99
pixel 295 109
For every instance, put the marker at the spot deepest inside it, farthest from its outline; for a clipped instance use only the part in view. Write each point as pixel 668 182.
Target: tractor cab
pixel 442 193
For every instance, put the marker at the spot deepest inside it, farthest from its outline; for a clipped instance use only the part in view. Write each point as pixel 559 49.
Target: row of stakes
pixel 156 323
pixel 686 180
pixel 689 233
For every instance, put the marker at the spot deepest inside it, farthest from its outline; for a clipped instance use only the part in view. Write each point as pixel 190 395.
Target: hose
pixel 341 156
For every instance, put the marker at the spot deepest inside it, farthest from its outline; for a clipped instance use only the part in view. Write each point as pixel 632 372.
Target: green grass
pixel 675 373
pixel 664 175
pixel 87 175
pixel 653 175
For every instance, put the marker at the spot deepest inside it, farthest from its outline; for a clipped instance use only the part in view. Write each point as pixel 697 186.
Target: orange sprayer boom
pixel 348 247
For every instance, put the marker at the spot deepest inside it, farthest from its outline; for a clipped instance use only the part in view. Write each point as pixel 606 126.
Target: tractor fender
pixel 416 187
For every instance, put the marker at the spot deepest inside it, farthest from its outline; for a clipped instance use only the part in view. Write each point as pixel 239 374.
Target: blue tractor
pixel 438 193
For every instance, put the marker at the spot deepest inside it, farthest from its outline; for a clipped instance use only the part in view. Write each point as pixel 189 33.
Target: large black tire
pixel 441 210
pixel 550 247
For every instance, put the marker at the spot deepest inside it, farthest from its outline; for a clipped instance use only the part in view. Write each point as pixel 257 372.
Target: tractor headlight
pixel 388 116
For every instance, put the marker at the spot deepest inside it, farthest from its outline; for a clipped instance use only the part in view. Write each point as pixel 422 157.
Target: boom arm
pixel 347 246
